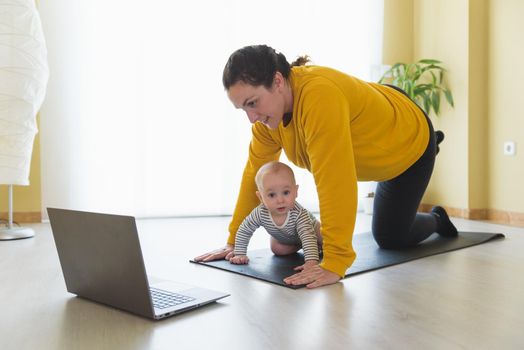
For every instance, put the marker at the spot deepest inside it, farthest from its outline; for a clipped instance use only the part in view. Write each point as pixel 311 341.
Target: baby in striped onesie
pixel 290 225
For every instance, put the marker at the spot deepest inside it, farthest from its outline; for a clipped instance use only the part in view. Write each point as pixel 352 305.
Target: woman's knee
pixel 385 242
pixel 387 239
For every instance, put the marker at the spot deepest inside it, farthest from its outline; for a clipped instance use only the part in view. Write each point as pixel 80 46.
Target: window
pixel 136 119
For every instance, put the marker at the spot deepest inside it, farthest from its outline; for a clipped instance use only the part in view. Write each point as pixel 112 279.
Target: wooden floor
pixel 468 299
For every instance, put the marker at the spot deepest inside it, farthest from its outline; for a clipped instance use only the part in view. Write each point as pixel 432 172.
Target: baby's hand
pixel 239 260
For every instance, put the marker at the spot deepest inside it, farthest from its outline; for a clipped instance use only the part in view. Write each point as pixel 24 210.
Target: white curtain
pixel 136 120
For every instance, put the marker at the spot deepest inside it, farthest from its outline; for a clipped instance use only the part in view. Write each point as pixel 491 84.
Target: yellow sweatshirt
pixel 342 130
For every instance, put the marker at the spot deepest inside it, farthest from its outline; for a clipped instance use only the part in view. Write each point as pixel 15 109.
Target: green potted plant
pixel 423 81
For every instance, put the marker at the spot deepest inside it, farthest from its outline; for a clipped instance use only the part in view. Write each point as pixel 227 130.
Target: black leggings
pixel 396 223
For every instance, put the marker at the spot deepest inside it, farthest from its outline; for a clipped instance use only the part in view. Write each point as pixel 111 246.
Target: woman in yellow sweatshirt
pixel 342 130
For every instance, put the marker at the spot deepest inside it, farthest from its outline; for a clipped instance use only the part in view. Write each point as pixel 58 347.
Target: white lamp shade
pixel 23 80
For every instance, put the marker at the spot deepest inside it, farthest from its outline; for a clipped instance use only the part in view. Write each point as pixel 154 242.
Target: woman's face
pixel 260 104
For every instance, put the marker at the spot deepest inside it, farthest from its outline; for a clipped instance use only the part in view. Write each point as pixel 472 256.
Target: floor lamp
pixel 10 232
pixel 23 81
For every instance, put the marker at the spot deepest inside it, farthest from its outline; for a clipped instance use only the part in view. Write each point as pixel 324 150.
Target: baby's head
pixel 274 170
pixel 277 188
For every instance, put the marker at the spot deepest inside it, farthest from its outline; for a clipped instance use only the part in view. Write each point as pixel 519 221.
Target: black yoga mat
pixel 264 265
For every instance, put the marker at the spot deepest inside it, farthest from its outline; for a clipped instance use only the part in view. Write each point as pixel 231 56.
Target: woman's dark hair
pixel 256 65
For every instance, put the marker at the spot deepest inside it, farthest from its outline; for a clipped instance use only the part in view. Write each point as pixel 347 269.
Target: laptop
pixel 102 261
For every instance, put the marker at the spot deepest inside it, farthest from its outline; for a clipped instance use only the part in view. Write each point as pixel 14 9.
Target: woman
pixel 342 130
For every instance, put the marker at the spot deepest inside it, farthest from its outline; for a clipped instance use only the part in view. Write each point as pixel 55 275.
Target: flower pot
pixel 367 204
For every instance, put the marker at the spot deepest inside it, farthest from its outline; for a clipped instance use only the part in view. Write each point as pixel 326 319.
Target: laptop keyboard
pixel 163 299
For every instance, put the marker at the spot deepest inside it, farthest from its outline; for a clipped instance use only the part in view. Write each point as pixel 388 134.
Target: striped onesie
pixel 299 229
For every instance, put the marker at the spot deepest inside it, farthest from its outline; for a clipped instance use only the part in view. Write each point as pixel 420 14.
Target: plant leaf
pixel 434 80
pixel 449 97
pixel 429 61
pixel 426 106
pixel 435 101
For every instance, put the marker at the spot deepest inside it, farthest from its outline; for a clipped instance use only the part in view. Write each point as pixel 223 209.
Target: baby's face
pixel 278 193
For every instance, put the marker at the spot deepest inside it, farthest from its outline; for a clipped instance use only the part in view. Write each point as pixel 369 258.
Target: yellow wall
pixel 398 31
pixel 479 43
pixel 506 115
pixel 447 42
pixel 478 83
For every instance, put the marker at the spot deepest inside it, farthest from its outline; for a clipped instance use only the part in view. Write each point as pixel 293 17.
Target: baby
pixel 290 225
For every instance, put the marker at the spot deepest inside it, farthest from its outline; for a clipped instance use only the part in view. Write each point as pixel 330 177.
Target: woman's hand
pixel 239 259
pixel 307 264
pixel 217 254
pixel 312 276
